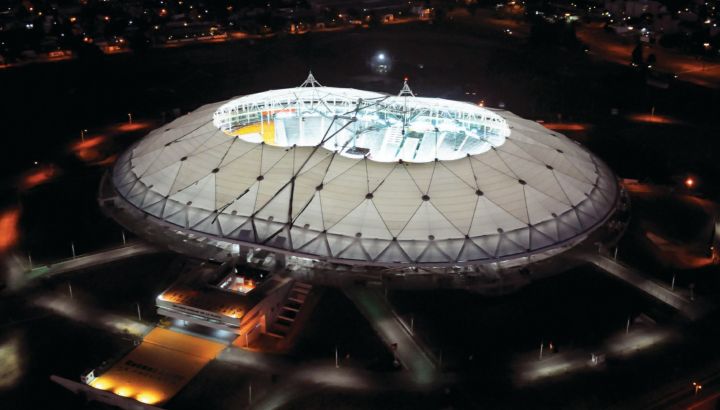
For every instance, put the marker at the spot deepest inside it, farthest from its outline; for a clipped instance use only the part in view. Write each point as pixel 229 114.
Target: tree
pixel 637 55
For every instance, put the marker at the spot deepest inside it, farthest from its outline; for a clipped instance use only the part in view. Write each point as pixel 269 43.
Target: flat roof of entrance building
pixel 210 299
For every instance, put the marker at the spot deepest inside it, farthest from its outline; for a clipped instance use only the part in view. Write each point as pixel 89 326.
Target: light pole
pixel 541 350
pixel 692 291
pixel 672 284
pixel 123 236
pixel 337 365
pixel 627 326
pixel 70 290
pixel 138 311
pixel 129 118
pixel 689 182
pixel 72 247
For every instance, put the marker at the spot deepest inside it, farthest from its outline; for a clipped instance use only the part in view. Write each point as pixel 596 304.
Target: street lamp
pixel 689 182
pixel 697 387
pixel 692 291
pixel 130 118
pixel 381 62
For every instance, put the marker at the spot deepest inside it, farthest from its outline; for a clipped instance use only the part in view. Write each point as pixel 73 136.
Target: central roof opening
pixel 359 124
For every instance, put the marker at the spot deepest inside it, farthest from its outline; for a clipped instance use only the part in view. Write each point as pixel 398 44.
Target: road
pixel 688 253
pixel 616 49
pixel 230 36
pixel 680 394
pixel 377 310
pixel 606 46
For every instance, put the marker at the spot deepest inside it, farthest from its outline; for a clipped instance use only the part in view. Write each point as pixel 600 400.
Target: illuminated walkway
pixel 69 308
pixel 689 308
pixel 376 309
pixel 309 373
pixel 300 380
pixel 529 367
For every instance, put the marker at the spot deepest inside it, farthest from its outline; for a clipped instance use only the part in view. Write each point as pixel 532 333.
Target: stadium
pixel 338 183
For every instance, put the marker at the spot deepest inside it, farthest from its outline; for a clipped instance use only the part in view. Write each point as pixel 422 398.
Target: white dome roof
pixel 261 173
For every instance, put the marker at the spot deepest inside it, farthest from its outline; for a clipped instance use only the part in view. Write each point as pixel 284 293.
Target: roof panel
pixel 428 223
pixel 455 200
pixel 364 219
pixel 397 199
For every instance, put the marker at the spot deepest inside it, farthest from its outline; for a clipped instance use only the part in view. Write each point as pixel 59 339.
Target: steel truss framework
pixel 348 118
pixel 534 194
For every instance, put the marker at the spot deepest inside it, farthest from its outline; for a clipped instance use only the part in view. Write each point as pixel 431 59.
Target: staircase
pixel 294 302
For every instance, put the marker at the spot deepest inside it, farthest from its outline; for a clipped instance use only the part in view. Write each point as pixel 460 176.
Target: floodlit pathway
pixel 533 367
pixel 318 373
pixel 278 396
pixel 64 306
pixel 377 310
pixel 301 379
